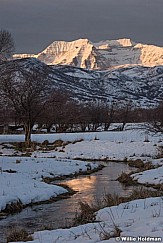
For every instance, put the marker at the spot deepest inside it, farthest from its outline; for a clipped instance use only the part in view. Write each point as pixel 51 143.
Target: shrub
pixel 18 235
pixel 126 179
pixel 86 215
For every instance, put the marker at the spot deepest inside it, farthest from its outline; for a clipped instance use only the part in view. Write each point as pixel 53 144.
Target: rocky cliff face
pixel 104 54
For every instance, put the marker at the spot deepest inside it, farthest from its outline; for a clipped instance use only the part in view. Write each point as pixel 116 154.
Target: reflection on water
pixel 57 214
pixel 97 185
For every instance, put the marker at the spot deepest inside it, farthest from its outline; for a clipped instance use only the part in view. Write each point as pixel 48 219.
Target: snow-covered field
pixel 136 218
pixel 112 145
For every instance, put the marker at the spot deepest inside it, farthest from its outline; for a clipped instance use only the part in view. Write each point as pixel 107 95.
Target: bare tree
pixel 155 119
pixel 7 45
pixel 26 91
pixel 61 111
pixel 125 114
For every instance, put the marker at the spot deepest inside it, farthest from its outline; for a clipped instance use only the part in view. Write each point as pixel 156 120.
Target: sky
pixel 34 24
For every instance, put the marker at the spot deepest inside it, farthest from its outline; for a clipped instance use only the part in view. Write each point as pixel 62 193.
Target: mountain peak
pixel 60 46
pixel 104 54
pixel 126 42
pixel 116 43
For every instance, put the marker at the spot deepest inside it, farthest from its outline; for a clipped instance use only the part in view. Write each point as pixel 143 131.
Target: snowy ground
pixel 139 218
pixel 153 176
pixel 95 145
pixel 21 178
pixel 136 218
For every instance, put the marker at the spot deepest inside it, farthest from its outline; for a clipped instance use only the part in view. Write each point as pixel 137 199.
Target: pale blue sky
pixel 34 24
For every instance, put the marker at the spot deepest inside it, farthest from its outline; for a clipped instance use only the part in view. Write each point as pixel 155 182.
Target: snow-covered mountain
pixel 142 85
pixel 104 54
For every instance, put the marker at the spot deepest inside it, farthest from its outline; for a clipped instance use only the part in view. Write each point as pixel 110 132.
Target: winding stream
pixel 59 214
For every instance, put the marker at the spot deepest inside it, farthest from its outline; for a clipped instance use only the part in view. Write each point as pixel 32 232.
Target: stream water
pixel 59 214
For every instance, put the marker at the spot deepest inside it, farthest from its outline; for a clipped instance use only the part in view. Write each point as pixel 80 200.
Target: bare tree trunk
pixel 123 125
pixel 106 126
pixel 48 128
pixel 5 129
pixel 83 127
pixel 28 130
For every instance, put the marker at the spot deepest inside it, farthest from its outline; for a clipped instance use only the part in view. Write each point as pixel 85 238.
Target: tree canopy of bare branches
pixel 155 119
pixel 7 45
pixel 27 92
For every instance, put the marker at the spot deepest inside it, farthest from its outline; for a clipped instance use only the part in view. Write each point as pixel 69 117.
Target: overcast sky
pixel 34 24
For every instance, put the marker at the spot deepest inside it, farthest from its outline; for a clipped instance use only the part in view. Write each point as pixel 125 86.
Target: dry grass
pixel 87 212
pixel 160 152
pixel 78 141
pixel 24 147
pixel 111 200
pixel 104 235
pixel 18 235
pixel 89 171
pixel 138 193
pixel 58 143
pixel 126 179
pixel 47 146
pixel 13 207
pixel 138 163
pixel 86 215
pixel 142 193
pixel 148 166
pixel 33 146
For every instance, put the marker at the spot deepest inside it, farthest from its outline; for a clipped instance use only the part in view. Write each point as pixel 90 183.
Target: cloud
pixel 36 23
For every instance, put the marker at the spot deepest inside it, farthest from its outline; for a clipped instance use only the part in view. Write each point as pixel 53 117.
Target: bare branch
pixel 7 45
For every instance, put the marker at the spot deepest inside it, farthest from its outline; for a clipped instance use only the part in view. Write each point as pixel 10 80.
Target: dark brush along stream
pixel 90 189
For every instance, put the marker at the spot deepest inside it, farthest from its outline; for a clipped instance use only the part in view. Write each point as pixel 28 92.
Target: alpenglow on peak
pixel 102 55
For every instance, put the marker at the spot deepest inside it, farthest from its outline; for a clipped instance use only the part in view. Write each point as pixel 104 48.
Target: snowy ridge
pixel 142 85
pixel 104 54
pixel 17 56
